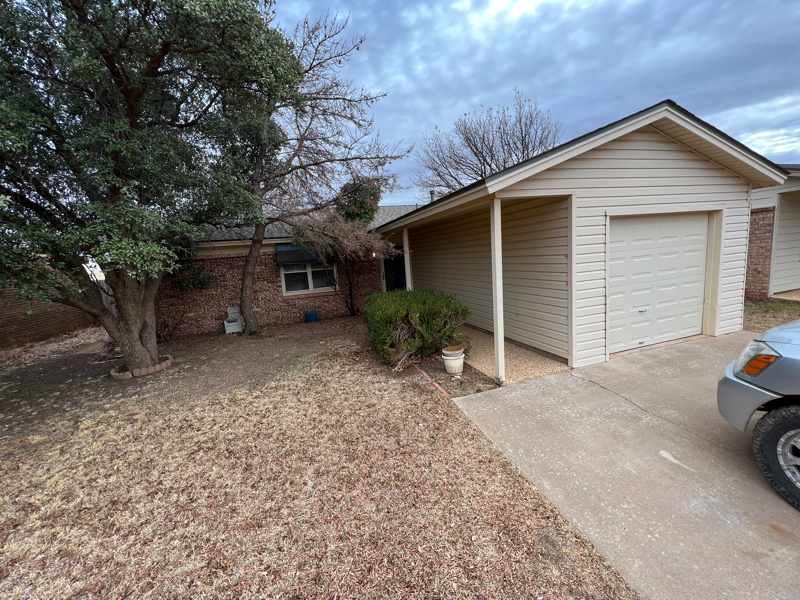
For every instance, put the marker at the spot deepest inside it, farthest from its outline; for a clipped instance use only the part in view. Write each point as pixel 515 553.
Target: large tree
pixel 341 237
pixel 112 114
pixel 301 155
pixel 483 143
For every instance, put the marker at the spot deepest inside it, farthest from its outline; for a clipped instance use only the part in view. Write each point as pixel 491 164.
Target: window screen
pixel 322 278
pixel 295 277
pixel 309 276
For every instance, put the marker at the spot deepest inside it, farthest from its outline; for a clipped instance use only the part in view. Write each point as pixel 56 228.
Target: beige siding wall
pixel 768 196
pixel 453 257
pixel 535 267
pixel 643 172
pixel 786 254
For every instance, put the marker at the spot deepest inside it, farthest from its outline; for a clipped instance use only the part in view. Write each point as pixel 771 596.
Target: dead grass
pixel 760 315
pixel 339 481
pixel 32 353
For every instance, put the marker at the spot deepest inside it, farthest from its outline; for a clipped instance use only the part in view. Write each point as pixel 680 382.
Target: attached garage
pixel 632 235
pixel 657 267
pixel 773 265
pixel 786 258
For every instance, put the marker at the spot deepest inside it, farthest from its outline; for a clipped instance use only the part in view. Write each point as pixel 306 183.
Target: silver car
pixel 766 377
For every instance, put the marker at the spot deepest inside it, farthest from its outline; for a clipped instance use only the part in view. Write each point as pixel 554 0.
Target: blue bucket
pixel 311 316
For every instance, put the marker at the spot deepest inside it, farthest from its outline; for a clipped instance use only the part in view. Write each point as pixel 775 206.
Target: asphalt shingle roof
pixel 279 230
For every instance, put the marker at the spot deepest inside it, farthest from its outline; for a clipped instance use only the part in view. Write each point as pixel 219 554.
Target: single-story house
pixel 286 285
pixel 773 264
pixel 631 235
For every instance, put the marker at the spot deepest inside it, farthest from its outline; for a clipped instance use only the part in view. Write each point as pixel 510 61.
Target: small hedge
pixel 404 325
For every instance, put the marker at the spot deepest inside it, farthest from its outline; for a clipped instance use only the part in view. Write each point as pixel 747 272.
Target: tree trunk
pixel 248 275
pixel 351 284
pixel 134 327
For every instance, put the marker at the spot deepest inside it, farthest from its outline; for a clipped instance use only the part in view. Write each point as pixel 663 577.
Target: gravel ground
pixel 793 295
pixel 521 364
pixel 333 478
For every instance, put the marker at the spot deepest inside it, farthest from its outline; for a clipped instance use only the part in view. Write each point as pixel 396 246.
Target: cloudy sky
pixel 734 63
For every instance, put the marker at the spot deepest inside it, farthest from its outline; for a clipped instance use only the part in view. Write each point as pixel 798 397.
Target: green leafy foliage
pixel 406 325
pixel 359 200
pixel 113 123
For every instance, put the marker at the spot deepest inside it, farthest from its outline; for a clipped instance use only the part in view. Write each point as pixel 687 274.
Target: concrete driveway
pixel 636 455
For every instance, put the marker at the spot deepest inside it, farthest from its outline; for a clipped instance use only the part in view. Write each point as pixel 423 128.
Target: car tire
pixel 771 432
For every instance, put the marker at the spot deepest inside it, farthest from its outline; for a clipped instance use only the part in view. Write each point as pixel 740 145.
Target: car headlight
pixel 756 357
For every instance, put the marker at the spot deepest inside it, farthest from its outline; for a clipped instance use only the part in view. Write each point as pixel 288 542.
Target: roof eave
pixel 462 196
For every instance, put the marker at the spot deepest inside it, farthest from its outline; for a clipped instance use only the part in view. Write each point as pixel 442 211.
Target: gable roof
pixel 668 117
pixel 280 231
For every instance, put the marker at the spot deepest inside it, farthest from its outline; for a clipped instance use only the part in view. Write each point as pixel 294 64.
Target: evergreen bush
pixel 408 325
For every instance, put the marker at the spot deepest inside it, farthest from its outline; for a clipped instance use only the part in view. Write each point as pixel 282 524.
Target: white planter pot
pixel 235 327
pixel 454 365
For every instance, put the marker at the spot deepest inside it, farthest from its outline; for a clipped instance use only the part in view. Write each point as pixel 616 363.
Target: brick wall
pixel 759 253
pixel 204 311
pixel 18 328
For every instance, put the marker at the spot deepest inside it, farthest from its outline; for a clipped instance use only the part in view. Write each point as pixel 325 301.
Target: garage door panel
pixel 656 278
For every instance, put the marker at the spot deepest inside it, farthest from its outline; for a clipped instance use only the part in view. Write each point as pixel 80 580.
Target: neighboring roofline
pixel 234 239
pixel 244 241
pixel 561 148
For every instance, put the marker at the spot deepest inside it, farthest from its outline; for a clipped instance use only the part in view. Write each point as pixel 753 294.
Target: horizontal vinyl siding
pixel 535 251
pixel 786 257
pixel 453 256
pixel 767 197
pixel 641 171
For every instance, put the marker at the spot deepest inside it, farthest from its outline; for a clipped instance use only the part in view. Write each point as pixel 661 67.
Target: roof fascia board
pixel 237 242
pixel 432 210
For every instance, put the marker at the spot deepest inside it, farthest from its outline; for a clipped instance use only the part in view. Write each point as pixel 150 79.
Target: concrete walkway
pixel 636 455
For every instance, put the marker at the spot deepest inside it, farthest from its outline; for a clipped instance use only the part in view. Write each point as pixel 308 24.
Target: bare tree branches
pixel 482 144
pixel 326 140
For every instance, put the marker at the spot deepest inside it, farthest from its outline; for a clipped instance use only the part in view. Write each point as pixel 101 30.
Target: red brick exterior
pixel 204 310
pixel 18 328
pixel 759 253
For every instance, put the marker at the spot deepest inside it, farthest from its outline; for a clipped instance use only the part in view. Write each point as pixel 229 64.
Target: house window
pixel 307 277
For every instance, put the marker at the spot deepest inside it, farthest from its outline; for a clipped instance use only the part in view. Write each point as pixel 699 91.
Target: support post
pixel 495 225
pixel 407 259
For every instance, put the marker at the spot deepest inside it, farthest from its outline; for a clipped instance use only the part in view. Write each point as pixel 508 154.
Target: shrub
pixel 405 326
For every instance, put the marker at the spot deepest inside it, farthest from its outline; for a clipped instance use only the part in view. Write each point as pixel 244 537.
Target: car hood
pixel 788 333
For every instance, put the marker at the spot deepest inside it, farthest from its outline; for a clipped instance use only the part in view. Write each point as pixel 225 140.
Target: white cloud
pixel 771 127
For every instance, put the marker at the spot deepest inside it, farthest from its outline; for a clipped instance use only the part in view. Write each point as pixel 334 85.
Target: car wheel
pixel 776 444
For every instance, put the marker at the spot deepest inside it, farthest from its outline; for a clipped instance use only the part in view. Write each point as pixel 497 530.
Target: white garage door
pixel 786 259
pixel 656 279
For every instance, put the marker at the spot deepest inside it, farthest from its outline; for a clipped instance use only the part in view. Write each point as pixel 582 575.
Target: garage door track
pixel 635 454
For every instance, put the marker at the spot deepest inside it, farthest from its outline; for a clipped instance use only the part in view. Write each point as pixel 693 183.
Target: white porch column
pixel 407 259
pixel 497 289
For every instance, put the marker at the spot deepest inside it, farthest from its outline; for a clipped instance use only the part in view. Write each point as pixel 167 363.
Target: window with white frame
pixel 307 277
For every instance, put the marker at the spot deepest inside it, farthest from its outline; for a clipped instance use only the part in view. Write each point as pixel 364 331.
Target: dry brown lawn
pixel 760 315
pixel 335 479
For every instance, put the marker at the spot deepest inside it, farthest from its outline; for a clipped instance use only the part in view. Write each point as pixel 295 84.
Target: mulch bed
pixel 336 479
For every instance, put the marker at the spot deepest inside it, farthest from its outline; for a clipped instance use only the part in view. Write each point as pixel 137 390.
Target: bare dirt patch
pixel 333 478
pixel 761 315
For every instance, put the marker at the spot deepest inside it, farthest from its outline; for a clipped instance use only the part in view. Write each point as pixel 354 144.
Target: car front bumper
pixel 737 400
